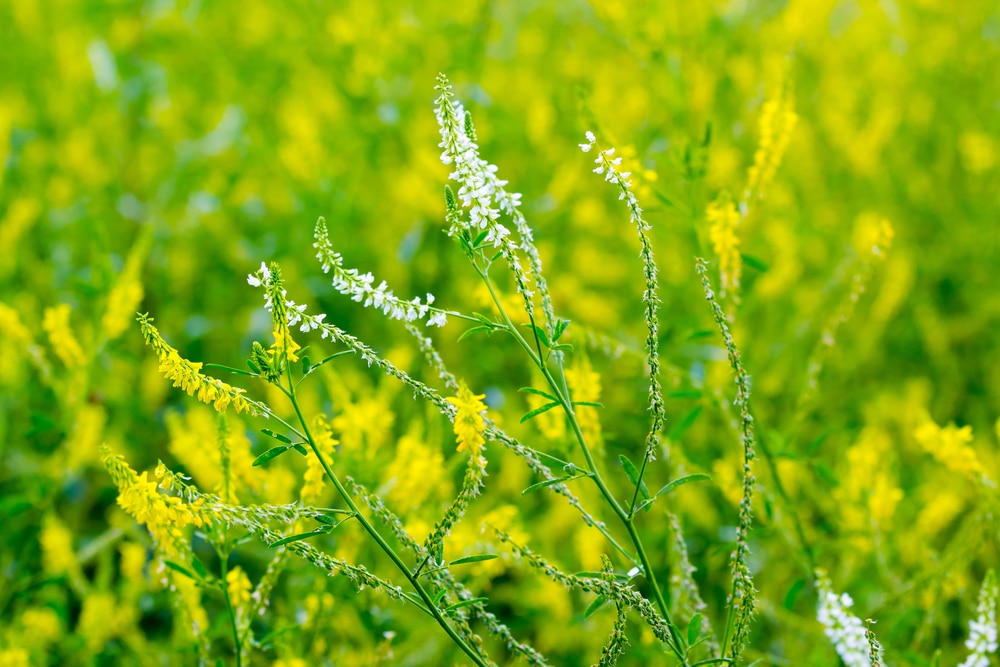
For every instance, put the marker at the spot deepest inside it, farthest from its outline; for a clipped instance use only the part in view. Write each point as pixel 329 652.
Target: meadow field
pixel 499 333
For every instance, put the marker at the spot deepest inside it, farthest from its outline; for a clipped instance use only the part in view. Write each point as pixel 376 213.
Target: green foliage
pixel 835 161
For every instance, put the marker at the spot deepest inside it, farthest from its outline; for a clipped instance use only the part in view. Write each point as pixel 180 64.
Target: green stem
pixel 375 535
pixel 625 518
pixel 224 565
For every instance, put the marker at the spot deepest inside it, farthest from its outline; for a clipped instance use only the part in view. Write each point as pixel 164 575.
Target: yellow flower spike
pixel 187 375
pixel 724 218
pixel 239 587
pixel 283 343
pixel 56 325
pixel 469 425
pixel 777 121
pixel 951 446
pixel 315 482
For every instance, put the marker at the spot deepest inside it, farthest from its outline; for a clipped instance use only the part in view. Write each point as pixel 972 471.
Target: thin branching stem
pixel 377 537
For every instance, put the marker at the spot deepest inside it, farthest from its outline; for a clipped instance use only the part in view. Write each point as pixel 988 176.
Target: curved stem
pixel 626 518
pixel 375 535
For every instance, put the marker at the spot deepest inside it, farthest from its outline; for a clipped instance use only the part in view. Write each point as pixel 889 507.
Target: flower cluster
pixel 469 425
pixel 56 325
pixel 777 121
pixel 952 446
pixel 842 628
pixel 724 218
pixel 480 191
pixel 607 165
pixel 187 374
pixel 359 286
pixel 314 480
pixel 983 630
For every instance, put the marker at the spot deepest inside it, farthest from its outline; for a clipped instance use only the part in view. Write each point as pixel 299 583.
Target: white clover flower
pixel 842 628
pixel 983 629
pixel 360 287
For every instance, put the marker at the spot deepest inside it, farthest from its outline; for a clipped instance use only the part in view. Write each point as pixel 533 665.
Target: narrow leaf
pixel 479 239
pixel 252 366
pixel 441 594
pixel 537 392
pixel 178 568
pixel 549 482
pixel 473 559
pixel 681 427
pixel 296 538
pixel 268 455
pixel 326 518
pixel 327 359
pixel 277 436
pixel 473 330
pixel 199 568
pixel 540 332
pixel 538 411
pixel 589 404
pixel 754 263
pixel 464 603
pixel 305 365
pixel 300 448
pixel 560 329
pixel 595 605
pixel 694 629
pixel 633 475
pixel 563 347
pixel 685 393
pixel 696 477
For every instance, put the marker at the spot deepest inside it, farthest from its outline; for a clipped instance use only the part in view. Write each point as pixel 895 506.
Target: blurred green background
pixel 154 153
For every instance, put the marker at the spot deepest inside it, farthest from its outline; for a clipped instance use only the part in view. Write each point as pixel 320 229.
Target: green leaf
pixel 496 256
pixel 540 332
pixel 473 330
pixel 231 369
pixel 178 568
pixel 473 559
pixel 268 455
pixel 595 605
pixel 328 359
pixel 681 427
pixel 633 475
pixel 464 603
pixel 559 329
pixel 305 365
pixel 550 482
pixel 685 393
pixel 538 411
pixel 300 448
pixel 754 263
pixel 694 629
pixel 482 318
pixel 441 594
pixel 324 516
pixel 277 436
pixel 680 481
pixel 589 404
pixel 296 538
pixel 479 239
pixel 200 568
pixel 715 661
pixel 793 593
pixel 253 367
pixel 562 347
pixel 537 392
